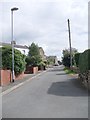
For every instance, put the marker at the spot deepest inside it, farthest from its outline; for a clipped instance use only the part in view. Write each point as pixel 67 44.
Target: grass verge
pixel 69 71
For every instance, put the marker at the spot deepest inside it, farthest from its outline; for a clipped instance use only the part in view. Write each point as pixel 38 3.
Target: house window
pixel 24 52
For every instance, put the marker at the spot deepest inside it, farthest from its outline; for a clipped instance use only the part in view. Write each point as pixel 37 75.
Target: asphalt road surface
pixel 53 94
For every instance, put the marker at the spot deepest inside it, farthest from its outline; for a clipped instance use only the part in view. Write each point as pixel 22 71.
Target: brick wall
pixel 30 69
pixel 35 70
pixel 6 77
pixel 19 77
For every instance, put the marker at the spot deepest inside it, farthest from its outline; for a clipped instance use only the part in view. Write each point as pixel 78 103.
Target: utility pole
pixel 70 43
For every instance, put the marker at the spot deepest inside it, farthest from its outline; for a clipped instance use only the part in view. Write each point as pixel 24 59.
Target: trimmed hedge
pixel 19 60
pixel 76 57
pixel 84 61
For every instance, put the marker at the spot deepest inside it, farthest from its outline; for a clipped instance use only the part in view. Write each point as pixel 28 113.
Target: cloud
pixel 45 22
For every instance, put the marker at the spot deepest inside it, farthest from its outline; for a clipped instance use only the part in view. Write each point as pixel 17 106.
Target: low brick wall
pixel 31 70
pixel 19 77
pixel 41 68
pixel 6 77
pixel 35 70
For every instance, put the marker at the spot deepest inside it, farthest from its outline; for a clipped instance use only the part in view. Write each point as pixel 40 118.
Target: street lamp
pixel 12 42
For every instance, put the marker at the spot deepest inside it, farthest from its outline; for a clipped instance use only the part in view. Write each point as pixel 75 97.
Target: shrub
pixel 84 64
pixel 33 60
pixel 76 57
pixel 19 60
pixel 41 64
pixel 66 60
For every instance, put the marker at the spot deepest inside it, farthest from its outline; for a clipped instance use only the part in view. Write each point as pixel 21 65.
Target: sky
pixel 45 23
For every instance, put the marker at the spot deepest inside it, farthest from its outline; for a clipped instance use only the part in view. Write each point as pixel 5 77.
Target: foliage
pixel 76 57
pixel 41 64
pixel 84 61
pixel 66 60
pixel 33 50
pixel 69 71
pixel 67 52
pixel 66 57
pixel 33 60
pixel 33 57
pixel 19 60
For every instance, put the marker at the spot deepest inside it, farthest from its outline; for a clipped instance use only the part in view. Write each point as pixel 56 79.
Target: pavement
pixel 53 94
pixel 17 83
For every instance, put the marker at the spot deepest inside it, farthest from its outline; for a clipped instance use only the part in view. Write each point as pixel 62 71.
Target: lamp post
pixel 12 42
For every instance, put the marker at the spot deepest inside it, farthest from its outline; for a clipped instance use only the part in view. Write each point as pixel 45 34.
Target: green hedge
pixel 76 57
pixel 19 60
pixel 84 61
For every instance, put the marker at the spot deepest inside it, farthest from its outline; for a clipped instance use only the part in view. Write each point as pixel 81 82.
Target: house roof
pixel 15 45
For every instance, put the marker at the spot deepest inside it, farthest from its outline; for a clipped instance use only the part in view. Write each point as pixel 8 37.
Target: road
pixel 53 94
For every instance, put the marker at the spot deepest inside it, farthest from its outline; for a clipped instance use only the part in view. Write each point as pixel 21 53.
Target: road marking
pixel 20 84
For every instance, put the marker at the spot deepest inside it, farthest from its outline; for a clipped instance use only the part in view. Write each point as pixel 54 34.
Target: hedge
pixel 19 60
pixel 84 61
pixel 76 57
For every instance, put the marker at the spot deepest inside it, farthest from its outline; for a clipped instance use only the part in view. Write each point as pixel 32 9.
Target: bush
pixel 19 60
pixel 76 57
pixel 33 57
pixel 84 64
pixel 33 60
pixel 41 65
pixel 66 60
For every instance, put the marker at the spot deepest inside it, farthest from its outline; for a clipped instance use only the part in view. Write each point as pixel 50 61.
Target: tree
pixel 19 60
pixel 33 50
pixel 66 61
pixel 66 56
pixel 67 51
pixel 33 57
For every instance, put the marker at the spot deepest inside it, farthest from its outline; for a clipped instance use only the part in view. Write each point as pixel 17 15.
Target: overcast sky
pixel 45 23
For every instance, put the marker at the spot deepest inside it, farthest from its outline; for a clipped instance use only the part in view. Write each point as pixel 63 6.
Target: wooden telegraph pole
pixel 70 43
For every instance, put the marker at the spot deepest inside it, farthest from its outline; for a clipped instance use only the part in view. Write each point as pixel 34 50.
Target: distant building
pixel 23 49
pixel 42 53
pixel 52 59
